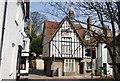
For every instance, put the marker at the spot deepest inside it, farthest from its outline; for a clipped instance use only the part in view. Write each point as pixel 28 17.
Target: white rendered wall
pixel 1 22
pixel 39 64
pixel 76 45
pixel 12 38
pixel 102 52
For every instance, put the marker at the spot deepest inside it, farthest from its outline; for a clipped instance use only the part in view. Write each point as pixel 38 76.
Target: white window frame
pixel 69 65
pixel 67 45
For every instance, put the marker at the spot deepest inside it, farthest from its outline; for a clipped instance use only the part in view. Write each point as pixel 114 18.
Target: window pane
pixel 90 65
pixel 69 65
pixel 66 45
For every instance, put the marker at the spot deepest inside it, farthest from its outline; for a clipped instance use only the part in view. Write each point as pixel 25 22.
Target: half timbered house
pixel 64 47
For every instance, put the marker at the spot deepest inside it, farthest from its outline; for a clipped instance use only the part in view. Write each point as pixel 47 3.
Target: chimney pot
pixel 89 21
pixel 71 15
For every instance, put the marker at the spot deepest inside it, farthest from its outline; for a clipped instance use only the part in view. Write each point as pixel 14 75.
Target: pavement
pixel 39 74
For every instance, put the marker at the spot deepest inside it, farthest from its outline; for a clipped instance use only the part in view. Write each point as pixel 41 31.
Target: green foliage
pixel 36 44
pixel 32 57
pixel 33 34
pixel 37 21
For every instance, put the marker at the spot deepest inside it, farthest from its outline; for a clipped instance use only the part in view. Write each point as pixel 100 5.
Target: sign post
pixel 101 68
pixel 53 60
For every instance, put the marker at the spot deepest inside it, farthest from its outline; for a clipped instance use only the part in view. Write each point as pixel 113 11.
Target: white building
pixel 62 41
pixel 65 44
pixel 102 60
pixel 24 60
pixel 12 18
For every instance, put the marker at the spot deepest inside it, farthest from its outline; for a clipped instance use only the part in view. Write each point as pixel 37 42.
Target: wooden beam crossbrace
pixel 57 49
pixel 75 50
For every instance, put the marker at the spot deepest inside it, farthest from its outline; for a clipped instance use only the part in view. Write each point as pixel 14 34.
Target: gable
pixel 66 30
pixel 87 35
pixel 67 26
pixel 52 27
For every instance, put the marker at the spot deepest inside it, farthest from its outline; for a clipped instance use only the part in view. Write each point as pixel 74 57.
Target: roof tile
pixel 52 26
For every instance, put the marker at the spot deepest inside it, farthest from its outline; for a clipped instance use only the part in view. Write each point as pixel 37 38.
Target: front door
pixel 81 68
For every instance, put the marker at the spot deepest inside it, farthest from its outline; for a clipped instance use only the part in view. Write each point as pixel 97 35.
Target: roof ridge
pixel 52 21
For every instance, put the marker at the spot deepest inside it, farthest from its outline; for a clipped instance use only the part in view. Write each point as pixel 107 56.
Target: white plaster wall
pixel 1 16
pixel 27 45
pixel 39 64
pixel 14 35
pixel 26 49
pixel 75 42
pixel 1 21
pixel 104 54
pixel 103 51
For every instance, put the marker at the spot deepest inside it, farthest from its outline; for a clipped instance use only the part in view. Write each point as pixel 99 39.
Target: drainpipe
pixel 3 29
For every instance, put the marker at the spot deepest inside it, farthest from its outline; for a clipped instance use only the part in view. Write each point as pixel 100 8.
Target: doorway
pixel 81 68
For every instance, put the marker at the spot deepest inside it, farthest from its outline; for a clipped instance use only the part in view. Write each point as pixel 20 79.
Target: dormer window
pixel 65 33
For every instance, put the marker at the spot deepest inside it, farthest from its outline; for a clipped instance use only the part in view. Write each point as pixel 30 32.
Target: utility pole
pixel 91 64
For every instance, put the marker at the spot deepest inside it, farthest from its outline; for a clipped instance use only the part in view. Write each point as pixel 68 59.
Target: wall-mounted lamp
pixel 13 44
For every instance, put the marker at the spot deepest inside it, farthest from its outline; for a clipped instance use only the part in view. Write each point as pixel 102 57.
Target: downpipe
pixel 3 30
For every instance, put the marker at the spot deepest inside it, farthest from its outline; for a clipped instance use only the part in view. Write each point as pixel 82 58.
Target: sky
pixel 40 7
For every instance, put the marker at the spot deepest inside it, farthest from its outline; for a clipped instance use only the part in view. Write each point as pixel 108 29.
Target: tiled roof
pixel 52 26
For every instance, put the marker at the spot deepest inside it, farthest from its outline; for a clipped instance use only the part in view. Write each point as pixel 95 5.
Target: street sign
pixel 101 68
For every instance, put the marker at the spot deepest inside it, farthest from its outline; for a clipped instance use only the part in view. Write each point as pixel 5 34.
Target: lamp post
pixel 101 62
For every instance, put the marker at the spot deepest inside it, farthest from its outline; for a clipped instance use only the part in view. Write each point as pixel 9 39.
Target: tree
pixel 33 35
pixel 37 21
pixel 36 43
pixel 102 13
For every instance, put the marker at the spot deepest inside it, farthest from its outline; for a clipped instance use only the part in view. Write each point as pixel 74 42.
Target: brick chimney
pixel 89 27
pixel 30 27
pixel 107 31
pixel 71 15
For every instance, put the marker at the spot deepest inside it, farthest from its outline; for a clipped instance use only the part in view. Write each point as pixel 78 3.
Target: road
pixel 39 75
pixel 66 80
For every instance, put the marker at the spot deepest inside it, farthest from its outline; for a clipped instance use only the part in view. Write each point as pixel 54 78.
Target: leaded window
pixel 69 65
pixel 66 45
